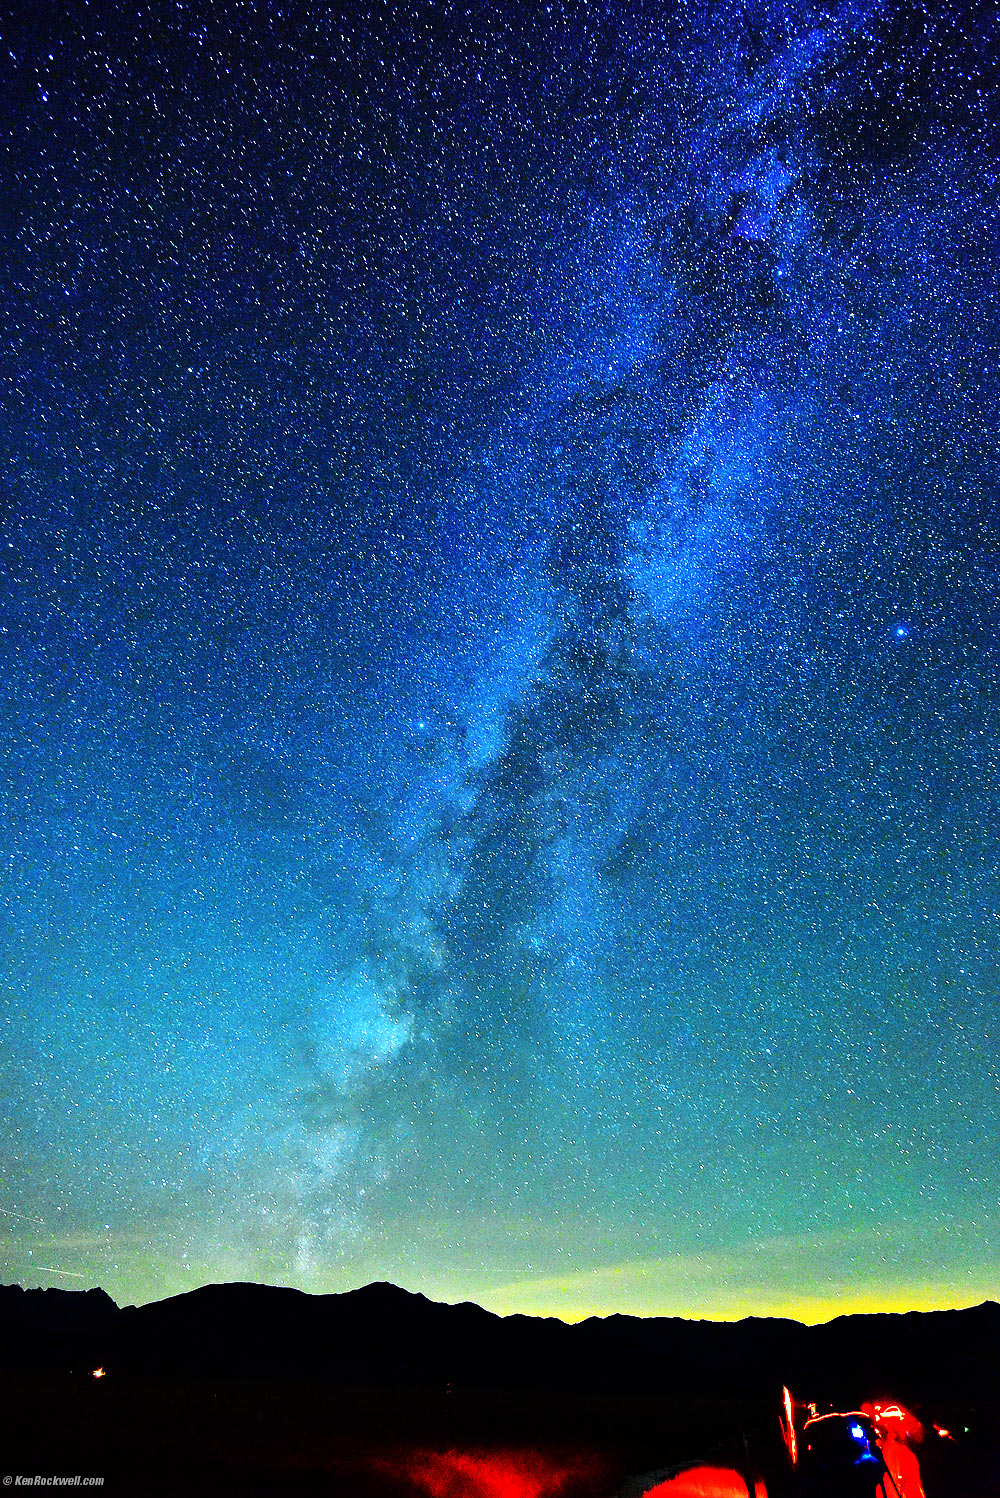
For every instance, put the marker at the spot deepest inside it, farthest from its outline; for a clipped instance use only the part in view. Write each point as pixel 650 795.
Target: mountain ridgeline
pixel 384 1336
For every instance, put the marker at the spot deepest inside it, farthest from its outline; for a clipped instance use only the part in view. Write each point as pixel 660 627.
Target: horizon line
pixel 566 1320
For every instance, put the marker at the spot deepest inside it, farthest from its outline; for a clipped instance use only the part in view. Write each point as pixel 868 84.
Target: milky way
pixel 500 602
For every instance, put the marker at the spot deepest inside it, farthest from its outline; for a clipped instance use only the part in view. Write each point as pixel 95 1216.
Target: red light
pixel 705 1482
pixel 897 1431
pixel 788 1426
pixel 496 1474
pixel 893 1420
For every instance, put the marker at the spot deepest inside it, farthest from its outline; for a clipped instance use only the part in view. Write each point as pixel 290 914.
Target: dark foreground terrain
pixel 250 1390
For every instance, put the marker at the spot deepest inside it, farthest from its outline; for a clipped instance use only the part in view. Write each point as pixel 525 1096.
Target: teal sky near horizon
pixel 499 581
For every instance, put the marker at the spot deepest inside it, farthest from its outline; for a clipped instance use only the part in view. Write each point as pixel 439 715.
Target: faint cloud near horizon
pixel 807 1279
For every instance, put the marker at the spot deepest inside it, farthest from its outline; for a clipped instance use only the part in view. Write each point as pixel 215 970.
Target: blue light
pixel 858 1432
pixel 902 631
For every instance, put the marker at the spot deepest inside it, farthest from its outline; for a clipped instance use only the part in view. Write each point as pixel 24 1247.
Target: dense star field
pixel 501 752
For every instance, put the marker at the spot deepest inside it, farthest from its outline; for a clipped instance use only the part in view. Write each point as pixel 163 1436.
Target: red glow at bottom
pixel 705 1482
pixel 500 1474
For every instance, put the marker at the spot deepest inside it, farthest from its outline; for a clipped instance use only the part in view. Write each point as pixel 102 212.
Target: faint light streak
pixel 22 1216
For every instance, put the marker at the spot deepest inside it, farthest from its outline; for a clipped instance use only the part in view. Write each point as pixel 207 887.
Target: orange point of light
pixel 97 1373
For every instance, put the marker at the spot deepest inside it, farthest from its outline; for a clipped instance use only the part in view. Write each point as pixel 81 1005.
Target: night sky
pixel 500 769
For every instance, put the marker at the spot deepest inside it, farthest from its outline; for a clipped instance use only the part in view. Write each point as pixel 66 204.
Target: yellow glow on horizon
pixel 811 1310
pixel 710 1290
pixel 841 1270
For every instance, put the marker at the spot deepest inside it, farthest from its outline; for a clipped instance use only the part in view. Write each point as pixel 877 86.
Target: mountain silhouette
pixel 383 1335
